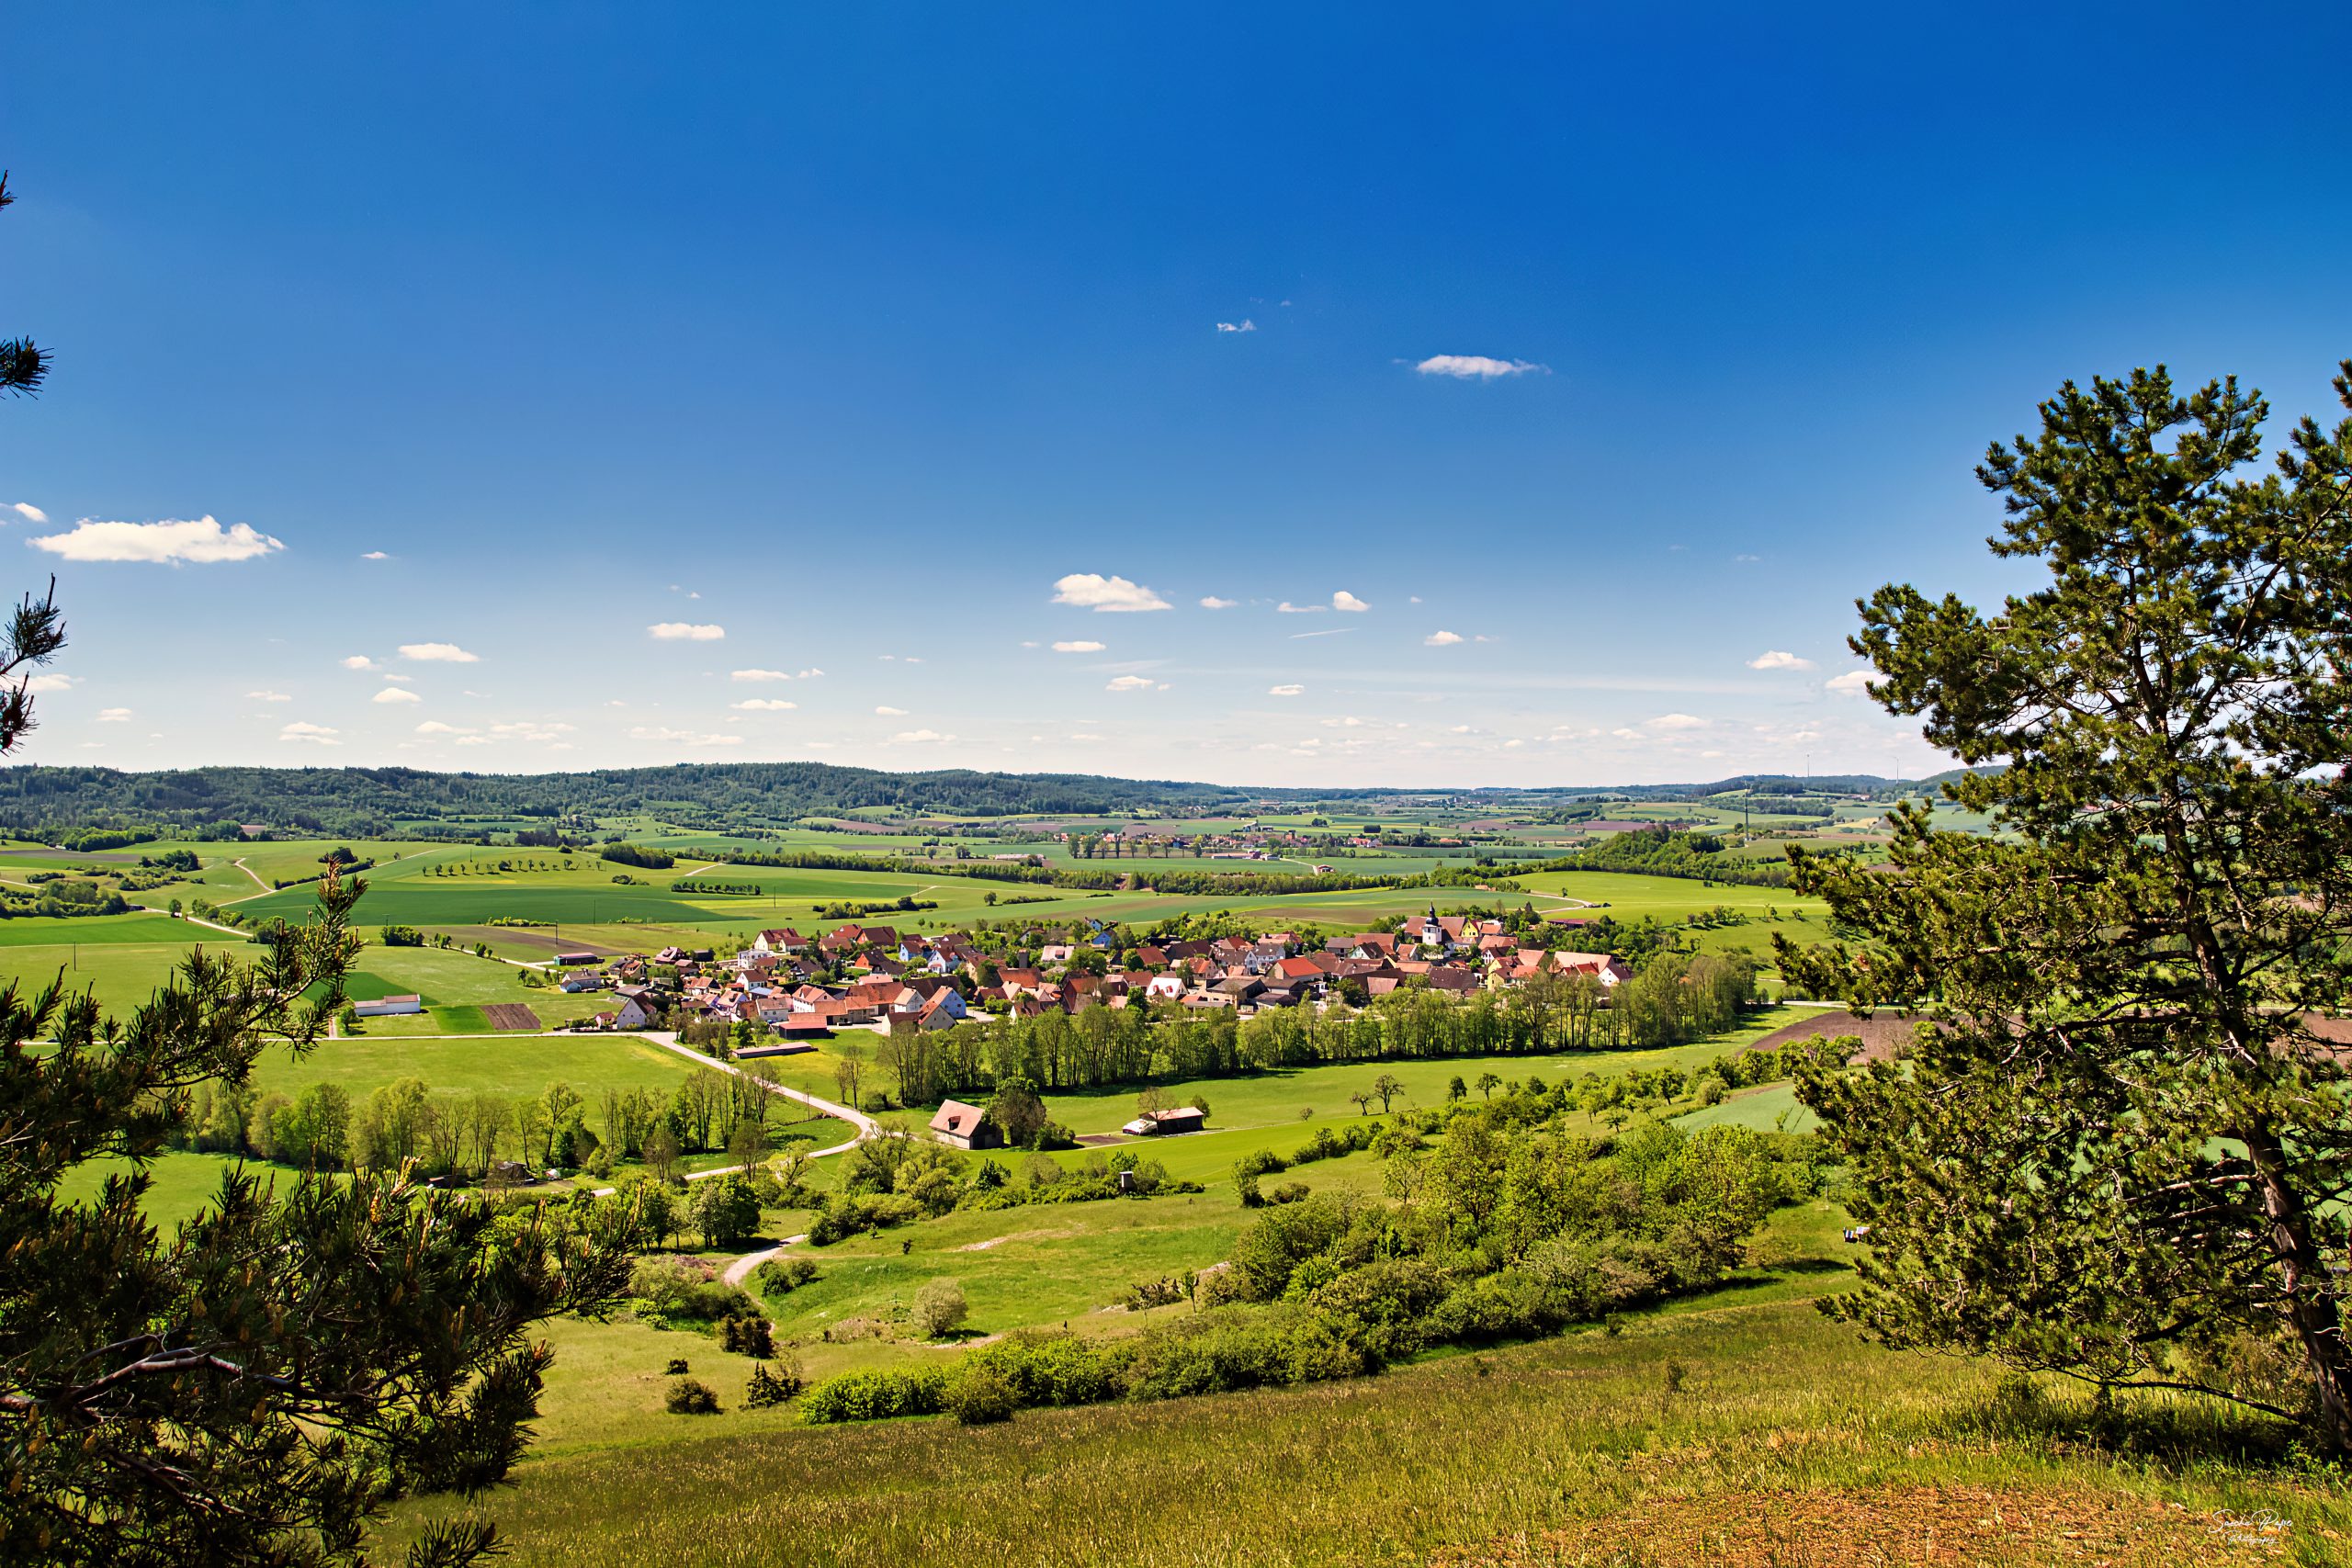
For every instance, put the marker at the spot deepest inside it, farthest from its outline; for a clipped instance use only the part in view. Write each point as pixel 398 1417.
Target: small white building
pixel 389 1007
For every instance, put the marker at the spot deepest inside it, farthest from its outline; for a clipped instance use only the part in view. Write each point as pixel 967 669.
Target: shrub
pixel 940 1308
pixel 771 1386
pixel 877 1395
pixel 977 1396
pixel 1289 1192
pixel 1260 1162
pixel 690 1396
pixel 687 1288
pixel 677 1367
pixel 782 1276
pixel 748 1336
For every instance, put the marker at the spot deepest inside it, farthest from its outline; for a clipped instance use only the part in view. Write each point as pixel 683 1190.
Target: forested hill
pixel 364 800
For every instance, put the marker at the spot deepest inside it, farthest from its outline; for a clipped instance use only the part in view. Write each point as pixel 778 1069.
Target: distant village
pixel 795 988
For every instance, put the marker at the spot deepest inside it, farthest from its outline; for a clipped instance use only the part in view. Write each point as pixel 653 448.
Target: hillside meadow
pixel 1738 1428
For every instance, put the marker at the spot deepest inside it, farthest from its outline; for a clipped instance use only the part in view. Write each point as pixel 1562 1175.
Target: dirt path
pixel 740 1270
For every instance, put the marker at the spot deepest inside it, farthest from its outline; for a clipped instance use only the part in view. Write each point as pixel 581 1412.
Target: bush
pixel 977 1396
pixel 774 1386
pixel 749 1336
pixel 782 1276
pixel 940 1308
pixel 875 1395
pixel 851 1213
pixel 690 1396
pixel 677 1367
pixel 1260 1162
pixel 687 1288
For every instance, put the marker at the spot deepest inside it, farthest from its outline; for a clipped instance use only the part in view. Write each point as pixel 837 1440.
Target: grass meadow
pixel 1742 1428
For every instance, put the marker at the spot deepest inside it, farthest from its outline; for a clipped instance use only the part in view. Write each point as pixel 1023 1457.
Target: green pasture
pixel 507 1065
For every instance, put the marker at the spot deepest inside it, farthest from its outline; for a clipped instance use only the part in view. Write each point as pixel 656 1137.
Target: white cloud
pixel 684 736
pixel 1092 591
pixel 1129 684
pixel 891 713
pixel 1288 608
pixel 1678 721
pixel 434 653
pixel 1441 640
pixel 1347 602
pixel 1333 631
pixel 809 674
pixel 1286 691
pixel 685 631
pixel 28 510
pixel 268 697
pixel 1350 722
pixel 359 662
pixel 113 716
pixel 757 675
pixel 1213 602
pixel 529 729
pixel 1078 647
pixel 435 727
pixel 315 734
pixel 1852 683
pixel 1243 325
pixel 396 694
pixel 50 684
pixel 764 705
pixel 920 737
pixel 406 680
pixel 201 540
pixel 1776 659
pixel 1475 367
pixel 376 555
pixel 1747 558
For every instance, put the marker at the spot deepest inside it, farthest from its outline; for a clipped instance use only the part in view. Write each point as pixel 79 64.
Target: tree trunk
pixel 2312 1307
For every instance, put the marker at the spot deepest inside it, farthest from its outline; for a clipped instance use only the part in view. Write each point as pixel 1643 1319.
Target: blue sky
pixel 1599 353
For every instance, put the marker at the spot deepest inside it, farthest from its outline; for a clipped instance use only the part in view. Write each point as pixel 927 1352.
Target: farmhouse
pixel 965 1126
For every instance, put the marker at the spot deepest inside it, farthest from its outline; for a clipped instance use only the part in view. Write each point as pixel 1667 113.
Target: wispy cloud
pixel 1286 691
pixel 1288 608
pixel 376 555
pixel 311 734
pixel 891 712
pixel 1133 684
pixel 685 631
pixel 920 737
pixel 1852 683
pixel 757 675
pixel 1213 602
pixel 1092 591
pixel 1078 647
pixel 435 727
pixel 28 510
pixel 1475 367
pixel 764 705
pixel 1777 658
pixel 1327 631
pixel 268 697
pixel 432 653
pixel 683 737
pixel 114 715
pixel 200 540
pixel 1243 325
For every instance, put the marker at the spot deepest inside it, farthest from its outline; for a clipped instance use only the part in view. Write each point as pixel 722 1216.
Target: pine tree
pixel 2120 1151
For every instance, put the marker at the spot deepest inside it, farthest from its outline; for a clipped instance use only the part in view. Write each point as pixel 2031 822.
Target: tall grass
pixel 1555 1442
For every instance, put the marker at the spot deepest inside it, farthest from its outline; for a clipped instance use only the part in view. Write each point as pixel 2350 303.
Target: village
pixel 792 990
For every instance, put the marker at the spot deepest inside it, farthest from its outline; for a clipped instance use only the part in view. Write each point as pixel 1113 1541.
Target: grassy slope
pixel 1788 1441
